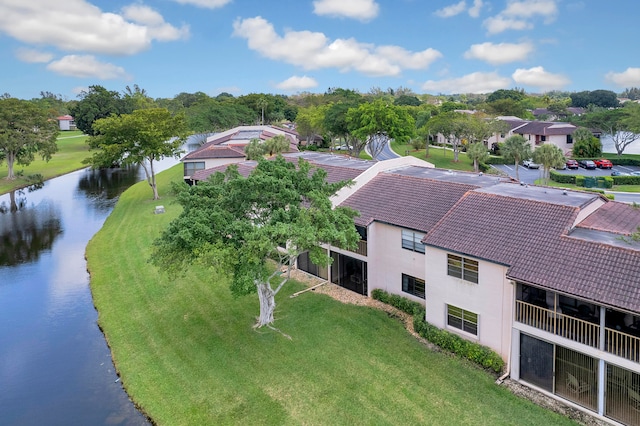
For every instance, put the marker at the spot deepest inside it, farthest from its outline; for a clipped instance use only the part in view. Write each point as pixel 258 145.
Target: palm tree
pixel 478 153
pixel 548 155
pixel 262 103
pixel 516 149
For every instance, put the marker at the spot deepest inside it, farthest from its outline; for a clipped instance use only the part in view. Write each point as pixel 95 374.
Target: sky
pixel 309 46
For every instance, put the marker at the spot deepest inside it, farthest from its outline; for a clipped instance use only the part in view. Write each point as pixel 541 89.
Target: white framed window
pixel 191 167
pixel 463 320
pixel 461 267
pixel 412 241
pixel 413 285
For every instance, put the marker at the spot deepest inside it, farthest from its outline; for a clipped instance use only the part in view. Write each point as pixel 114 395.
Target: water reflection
pixel 102 187
pixel 26 231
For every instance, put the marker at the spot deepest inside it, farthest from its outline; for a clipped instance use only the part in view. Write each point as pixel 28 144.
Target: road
pixel 385 154
pixel 530 176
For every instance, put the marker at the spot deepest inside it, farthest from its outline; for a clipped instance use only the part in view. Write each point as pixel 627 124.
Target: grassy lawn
pixel 439 157
pixel 72 149
pixel 187 353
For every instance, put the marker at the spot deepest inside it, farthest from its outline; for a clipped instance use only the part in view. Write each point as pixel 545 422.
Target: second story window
pixel 461 267
pixel 412 241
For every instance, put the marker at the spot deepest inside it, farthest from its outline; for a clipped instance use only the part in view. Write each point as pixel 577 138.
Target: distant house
pixel 546 114
pixel 540 132
pixel 228 147
pixel 66 122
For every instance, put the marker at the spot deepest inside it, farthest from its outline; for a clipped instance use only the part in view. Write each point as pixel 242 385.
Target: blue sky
pixel 287 47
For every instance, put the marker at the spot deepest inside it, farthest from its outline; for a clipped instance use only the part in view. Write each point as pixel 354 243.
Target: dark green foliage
pixel 587 148
pixel 405 305
pixel 481 355
pixel 514 94
pixel 600 98
pixel 562 177
pixel 626 180
pixel 94 104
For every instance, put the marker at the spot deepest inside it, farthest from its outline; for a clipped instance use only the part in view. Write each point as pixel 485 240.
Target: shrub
pixel 451 342
pixel 626 180
pixel 497 160
pixel 475 352
pixel 561 177
pixel 579 180
pixel 405 305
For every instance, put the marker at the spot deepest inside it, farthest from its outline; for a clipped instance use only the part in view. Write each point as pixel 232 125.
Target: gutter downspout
pixel 508 369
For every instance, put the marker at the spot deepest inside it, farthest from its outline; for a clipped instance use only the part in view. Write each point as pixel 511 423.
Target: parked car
pixel 634 173
pixel 341 147
pixel 572 164
pixel 618 173
pixel 587 164
pixel 529 164
pixel 603 163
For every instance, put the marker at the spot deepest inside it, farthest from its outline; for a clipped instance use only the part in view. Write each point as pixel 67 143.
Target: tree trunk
pixel 517 172
pixel 11 158
pixel 266 295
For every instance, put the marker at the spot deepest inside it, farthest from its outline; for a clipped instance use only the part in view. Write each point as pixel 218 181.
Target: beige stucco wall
pixel 492 299
pixel 387 260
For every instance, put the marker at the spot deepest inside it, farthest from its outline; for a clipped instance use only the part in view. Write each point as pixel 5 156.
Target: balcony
pixel 361 248
pixel 619 339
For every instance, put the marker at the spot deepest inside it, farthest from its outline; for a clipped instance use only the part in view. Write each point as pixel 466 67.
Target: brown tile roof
pixel 619 218
pixel 212 151
pixel 546 128
pixel 531 238
pixel 244 169
pixel 406 201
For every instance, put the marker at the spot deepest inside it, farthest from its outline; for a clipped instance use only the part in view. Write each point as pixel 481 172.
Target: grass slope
pixel 72 149
pixel 438 156
pixel 187 353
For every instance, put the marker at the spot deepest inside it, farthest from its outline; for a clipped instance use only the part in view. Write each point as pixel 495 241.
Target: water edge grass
pixel 187 352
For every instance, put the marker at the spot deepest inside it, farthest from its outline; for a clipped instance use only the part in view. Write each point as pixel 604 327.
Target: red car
pixel 572 164
pixel 603 163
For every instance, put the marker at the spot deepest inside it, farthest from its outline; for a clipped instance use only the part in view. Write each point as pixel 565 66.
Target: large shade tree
pixel 378 122
pixel 96 103
pixel 142 137
pixel 25 130
pixel 616 124
pixel 515 148
pixel 239 224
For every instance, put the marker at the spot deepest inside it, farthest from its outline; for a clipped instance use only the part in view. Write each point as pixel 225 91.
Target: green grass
pixel 188 355
pixel 72 149
pixel 439 157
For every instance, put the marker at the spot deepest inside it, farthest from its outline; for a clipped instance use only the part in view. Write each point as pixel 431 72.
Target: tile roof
pixel 619 218
pixel 546 128
pixel 406 201
pixel 213 151
pixel 532 238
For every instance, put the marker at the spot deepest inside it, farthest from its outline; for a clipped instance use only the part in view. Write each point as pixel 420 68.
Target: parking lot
pixel 530 175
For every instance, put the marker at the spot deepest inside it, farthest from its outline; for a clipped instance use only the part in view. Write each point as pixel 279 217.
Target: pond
pixel 55 365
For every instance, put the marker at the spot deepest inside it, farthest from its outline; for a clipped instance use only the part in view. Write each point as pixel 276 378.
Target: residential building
pixel 66 122
pixel 548 278
pixel 228 147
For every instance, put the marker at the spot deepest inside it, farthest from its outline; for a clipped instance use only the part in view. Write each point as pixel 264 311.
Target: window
pixel 461 267
pixel 412 241
pixel 191 168
pixel 413 285
pixel 543 138
pixel 569 139
pixel 463 320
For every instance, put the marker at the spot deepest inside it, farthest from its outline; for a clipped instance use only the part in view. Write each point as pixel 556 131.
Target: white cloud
pixel 477 82
pixel 628 78
pixel 452 10
pixel 86 66
pixel 362 10
pixel 208 4
pixel 538 77
pixel 78 26
pixel 474 11
pixel 33 56
pixel 313 50
pixel 530 8
pixel 297 83
pixel 499 24
pixel 518 15
pixel 501 53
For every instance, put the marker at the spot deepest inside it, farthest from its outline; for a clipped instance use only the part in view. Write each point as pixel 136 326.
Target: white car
pixel 529 164
pixel 342 147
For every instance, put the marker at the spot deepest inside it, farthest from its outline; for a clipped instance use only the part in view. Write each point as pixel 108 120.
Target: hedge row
pixel 405 305
pixel 609 181
pixel 475 352
pixel 451 342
